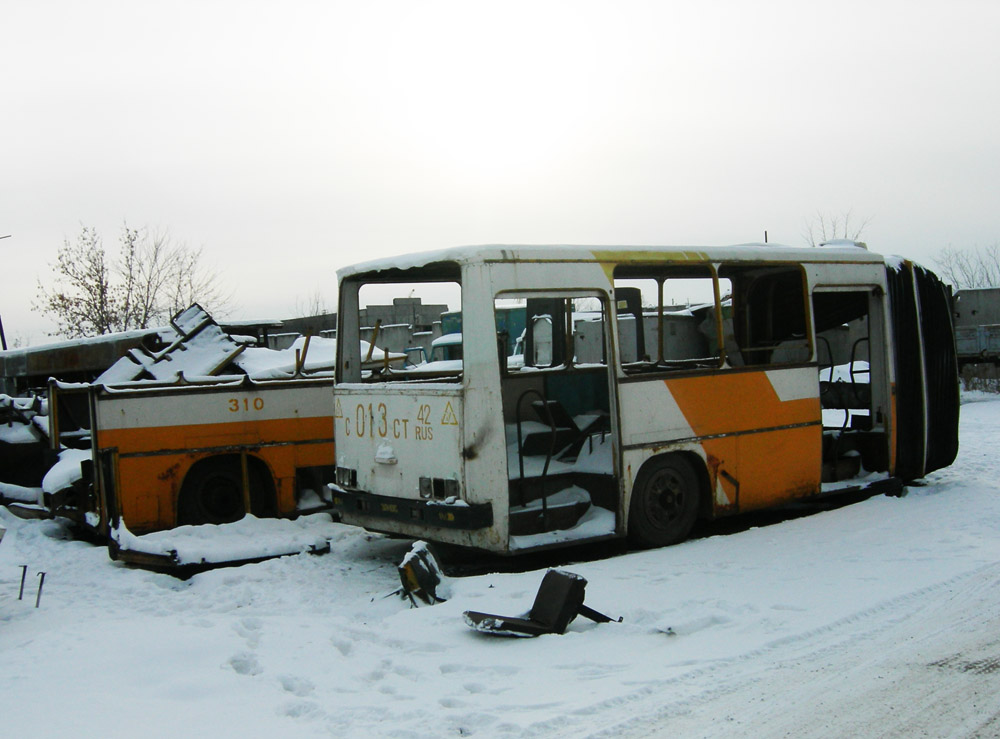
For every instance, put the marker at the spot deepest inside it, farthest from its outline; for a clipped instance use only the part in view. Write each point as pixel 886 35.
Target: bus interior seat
pixel 569 436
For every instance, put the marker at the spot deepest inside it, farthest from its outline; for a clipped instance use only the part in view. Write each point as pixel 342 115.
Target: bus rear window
pixel 404 331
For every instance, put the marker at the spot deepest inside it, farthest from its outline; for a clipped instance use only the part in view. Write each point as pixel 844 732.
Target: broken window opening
pixel 767 323
pixel 405 331
pixel 679 324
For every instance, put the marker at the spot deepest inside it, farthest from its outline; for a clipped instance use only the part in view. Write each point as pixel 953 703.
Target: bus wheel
pixel 212 493
pixel 664 503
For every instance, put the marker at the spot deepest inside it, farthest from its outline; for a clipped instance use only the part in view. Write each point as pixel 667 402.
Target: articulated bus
pixel 648 388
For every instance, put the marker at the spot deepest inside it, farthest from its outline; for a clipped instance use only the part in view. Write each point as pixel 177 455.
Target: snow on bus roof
pixel 261 363
pixel 165 333
pixel 833 251
pixel 448 339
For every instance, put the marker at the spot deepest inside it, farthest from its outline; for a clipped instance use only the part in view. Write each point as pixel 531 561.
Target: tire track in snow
pixel 919 663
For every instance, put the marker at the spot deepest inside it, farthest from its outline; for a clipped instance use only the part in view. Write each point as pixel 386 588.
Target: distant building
pixel 325 324
pixel 410 311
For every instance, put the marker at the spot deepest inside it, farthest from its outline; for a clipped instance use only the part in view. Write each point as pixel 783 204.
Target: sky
pixel 289 140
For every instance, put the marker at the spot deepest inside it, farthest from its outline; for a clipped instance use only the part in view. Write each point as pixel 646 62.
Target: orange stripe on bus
pixel 148 486
pixel 782 460
pixel 200 436
pixel 738 402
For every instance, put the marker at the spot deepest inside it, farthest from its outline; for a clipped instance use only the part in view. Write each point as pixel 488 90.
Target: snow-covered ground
pixel 880 618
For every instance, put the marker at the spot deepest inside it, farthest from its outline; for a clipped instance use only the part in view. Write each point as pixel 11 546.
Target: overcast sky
pixel 290 139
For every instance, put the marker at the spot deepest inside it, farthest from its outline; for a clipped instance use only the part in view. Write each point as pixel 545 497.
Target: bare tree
pixel 829 227
pixel 81 301
pixel 313 305
pixel 185 280
pixel 975 267
pixel 152 279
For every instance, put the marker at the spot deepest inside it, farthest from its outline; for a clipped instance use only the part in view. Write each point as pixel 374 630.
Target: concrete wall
pixel 976 307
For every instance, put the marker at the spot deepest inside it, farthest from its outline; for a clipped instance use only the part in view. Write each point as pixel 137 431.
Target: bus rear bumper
pixel 355 506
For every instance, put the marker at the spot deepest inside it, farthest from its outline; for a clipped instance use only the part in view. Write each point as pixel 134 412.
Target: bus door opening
pixel 555 387
pixel 851 375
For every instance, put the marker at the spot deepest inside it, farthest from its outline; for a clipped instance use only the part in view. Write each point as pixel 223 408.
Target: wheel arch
pixel 262 482
pixel 697 464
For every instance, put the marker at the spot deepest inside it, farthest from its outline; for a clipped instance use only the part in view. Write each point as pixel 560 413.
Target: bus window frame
pixel 349 332
pixel 746 303
pixel 596 293
pixel 658 273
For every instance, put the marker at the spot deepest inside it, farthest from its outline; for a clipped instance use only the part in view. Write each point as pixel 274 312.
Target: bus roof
pixel 840 251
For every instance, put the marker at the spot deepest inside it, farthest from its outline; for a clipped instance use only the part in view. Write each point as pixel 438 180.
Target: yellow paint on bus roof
pixel 649 255
pixel 565 253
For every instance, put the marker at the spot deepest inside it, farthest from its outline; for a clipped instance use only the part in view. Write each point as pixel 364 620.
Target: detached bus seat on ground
pixel 559 600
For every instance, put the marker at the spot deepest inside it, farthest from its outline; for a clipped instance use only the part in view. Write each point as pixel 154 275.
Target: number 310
pixel 257 404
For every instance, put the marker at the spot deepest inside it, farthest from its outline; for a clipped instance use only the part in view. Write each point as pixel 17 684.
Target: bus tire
pixel 665 502
pixel 212 493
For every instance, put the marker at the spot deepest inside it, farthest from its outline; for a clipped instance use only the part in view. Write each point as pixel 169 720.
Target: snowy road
pixel 881 618
pixel 926 664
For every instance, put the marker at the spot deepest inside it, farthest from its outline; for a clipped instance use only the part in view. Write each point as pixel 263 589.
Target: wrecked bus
pixel 201 432
pixel 167 455
pixel 650 387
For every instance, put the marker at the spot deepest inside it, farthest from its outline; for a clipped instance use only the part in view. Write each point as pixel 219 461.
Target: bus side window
pixel 667 318
pixel 766 324
pixel 550 332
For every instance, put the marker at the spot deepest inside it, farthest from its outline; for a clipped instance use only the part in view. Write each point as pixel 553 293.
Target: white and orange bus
pixel 651 387
pixel 168 454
